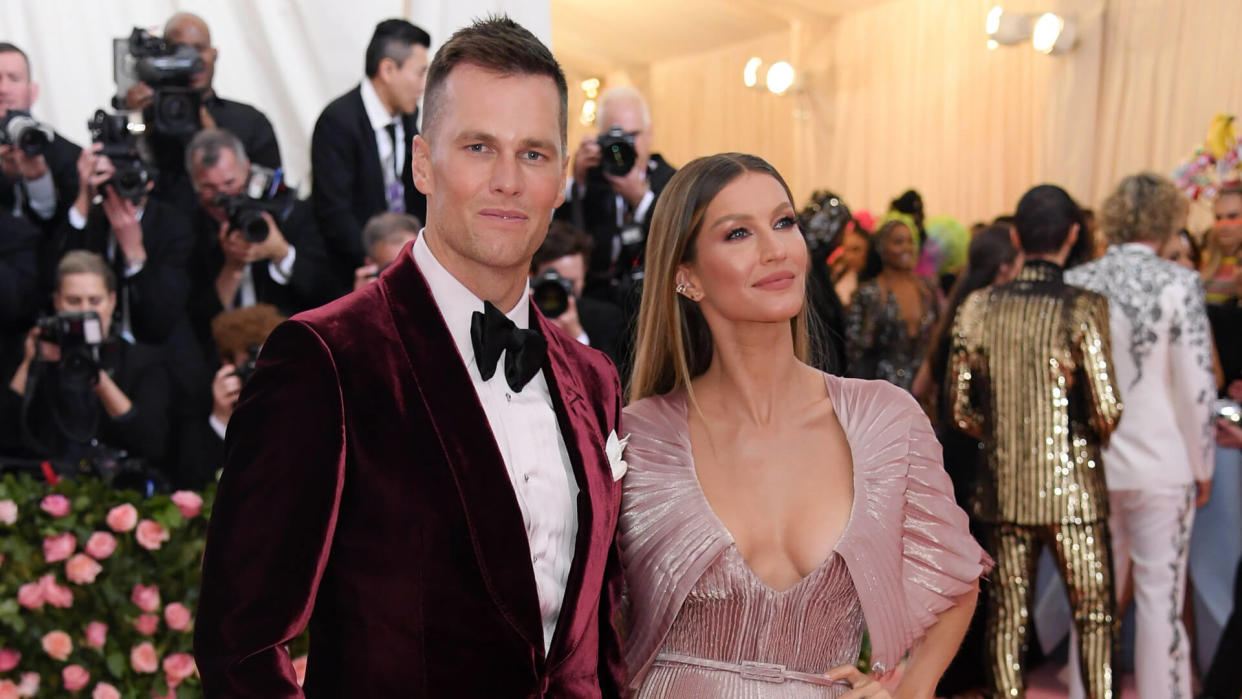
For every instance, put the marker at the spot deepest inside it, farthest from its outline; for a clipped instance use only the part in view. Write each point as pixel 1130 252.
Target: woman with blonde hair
pixel 771 510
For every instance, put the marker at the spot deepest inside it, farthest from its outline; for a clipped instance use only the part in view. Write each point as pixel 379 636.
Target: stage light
pixel 750 74
pixel 992 44
pixel 780 77
pixel 1054 34
pixel 1007 28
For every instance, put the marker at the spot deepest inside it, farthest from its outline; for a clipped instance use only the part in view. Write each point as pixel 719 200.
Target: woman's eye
pixel 785 222
pixel 737 233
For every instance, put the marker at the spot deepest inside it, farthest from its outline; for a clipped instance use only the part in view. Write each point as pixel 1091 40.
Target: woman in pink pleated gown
pixel 771 512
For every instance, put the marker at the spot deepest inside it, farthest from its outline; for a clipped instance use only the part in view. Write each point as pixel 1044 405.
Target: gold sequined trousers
pixel 1084 557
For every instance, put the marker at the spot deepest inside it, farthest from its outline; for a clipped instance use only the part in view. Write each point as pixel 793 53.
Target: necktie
pixel 492 333
pixel 394 191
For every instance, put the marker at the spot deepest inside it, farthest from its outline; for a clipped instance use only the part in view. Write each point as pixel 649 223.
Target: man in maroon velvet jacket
pixel 427 480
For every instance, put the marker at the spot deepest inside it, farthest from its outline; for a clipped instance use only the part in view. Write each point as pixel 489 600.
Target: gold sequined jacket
pixel 1030 374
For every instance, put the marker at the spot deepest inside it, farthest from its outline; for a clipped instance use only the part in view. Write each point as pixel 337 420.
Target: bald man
pixel 615 210
pixel 242 120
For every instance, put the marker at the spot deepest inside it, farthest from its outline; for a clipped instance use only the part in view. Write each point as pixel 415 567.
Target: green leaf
pixel 116 664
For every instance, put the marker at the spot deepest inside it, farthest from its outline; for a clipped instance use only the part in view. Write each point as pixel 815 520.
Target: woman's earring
pixel 681 288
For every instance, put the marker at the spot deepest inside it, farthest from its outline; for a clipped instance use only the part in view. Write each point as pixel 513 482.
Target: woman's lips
pixel 776 282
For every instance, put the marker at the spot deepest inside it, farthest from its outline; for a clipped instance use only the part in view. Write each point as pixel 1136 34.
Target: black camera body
pixel 551 293
pixel 120 144
pixel 266 192
pixel 18 128
pixel 79 334
pixel 168 69
pixel 617 152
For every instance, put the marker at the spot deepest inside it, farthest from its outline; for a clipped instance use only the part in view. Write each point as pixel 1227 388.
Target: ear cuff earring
pixel 681 288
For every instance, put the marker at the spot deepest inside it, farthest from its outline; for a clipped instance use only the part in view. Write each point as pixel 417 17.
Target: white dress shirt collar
pixel 457 303
pixel 377 113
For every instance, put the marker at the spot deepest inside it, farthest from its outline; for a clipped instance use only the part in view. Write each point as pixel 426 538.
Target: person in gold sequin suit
pixel 1030 375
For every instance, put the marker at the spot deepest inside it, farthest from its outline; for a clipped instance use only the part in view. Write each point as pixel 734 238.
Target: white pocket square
pixel 615 449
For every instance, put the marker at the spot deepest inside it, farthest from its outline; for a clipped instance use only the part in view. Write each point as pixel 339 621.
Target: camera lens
pixel 550 295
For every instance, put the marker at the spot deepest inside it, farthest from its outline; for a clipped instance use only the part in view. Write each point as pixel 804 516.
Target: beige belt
pixel 761 672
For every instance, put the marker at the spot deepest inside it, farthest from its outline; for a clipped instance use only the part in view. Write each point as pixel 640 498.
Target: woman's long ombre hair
pixel 674 343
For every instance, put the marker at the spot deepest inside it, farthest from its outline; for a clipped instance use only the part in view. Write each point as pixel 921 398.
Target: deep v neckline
pixel 724 529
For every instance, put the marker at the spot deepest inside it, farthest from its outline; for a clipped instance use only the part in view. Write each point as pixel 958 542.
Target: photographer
pixel 283 265
pixel 238 336
pixel 250 125
pixel 612 200
pixel 146 242
pixel 80 391
pixel 37 182
pixel 383 237
pixel 558 273
pixel 19 284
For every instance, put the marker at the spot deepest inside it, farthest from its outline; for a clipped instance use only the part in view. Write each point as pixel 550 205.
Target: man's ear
pixel 560 198
pixel 420 161
pixel 1070 238
pixel 34 93
pixel 1013 237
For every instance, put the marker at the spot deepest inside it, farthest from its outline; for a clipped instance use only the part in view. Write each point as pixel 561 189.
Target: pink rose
pixel 103 690
pixel 96 634
pixel 8 512
pixel 299 669
pixel 122 518
pixel 143 659
pixel 100 545
pixel 177 616
pixel 55 594
pixel 29 686
pixel 147 598
pixel 177 667
pixel 59 547
pixel 58 645
pixel 146 624
pixel 82 569
pixel 189 502
pixel 9 659
pixel 150 535
pixel 55 505
pixel 8 690
pixel 75 677
pixel 30 596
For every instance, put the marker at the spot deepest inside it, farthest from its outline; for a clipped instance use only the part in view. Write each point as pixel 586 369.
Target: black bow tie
pixel 492 333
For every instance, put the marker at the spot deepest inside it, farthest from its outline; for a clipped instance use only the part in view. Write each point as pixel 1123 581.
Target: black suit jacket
pixel 595 212
pixel 157 295
pixel 19 284
pixel 347 184
pixel 604 324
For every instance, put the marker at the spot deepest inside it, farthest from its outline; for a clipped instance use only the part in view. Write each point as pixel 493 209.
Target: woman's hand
pixel 863 685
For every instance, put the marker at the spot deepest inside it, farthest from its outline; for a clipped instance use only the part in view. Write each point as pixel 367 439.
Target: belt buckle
pixel 763 672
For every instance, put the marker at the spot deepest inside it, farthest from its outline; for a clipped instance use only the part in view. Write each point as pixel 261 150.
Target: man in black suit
pixel 615 210
pixel 19 286
pixel 595 323
pixel 38 188
pixel 242 120
pixel 287 269
pixel 360 149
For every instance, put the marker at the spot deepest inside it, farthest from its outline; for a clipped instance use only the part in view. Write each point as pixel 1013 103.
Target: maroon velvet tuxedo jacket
pixel 363 493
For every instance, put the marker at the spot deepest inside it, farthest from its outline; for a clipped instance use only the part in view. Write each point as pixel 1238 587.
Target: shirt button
pixel 526 477
pixel 508 397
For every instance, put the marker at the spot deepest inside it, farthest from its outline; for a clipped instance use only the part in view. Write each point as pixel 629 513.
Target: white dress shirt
pixel 526 431
pixel 1163 361
pixel 391 151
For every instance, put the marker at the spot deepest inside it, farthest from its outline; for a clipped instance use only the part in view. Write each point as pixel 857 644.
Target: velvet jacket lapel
pixel 584 440
pixel 441 382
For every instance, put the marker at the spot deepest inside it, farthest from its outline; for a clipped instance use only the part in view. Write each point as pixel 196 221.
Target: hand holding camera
pixel 22 143
pixel 241 247
pixel 225 389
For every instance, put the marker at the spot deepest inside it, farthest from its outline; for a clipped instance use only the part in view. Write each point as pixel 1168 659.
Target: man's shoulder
pixel 342 108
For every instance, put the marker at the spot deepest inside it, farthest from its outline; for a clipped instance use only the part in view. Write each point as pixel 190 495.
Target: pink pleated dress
pixel 701 624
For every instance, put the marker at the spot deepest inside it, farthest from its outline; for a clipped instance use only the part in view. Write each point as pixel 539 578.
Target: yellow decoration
pixel 1221 137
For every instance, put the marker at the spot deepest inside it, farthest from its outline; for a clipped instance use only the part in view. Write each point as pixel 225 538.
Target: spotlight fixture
pixel 780 77
pixel 1007 28
pixel 1054 34
pixel 750 74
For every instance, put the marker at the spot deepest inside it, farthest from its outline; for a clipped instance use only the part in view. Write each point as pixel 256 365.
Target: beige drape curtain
pixel 906 94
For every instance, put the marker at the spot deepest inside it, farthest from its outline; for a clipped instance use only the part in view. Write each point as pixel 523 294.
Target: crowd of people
pixel 1073 373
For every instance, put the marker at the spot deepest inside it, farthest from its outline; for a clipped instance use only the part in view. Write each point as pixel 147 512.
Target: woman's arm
pixel 932 655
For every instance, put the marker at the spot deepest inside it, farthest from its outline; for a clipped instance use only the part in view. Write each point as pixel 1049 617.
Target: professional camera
pixel 617 152
pixel 79 335
pixel 120 144
pixel 1226 409
pixel 246 369
pixel 551 293
pixel 265 191
pixel 18 128
pixel 168 69
pixel 823 221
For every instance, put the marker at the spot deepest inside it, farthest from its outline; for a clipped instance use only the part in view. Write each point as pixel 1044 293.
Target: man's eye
pixel 533 155
pixel 475 147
